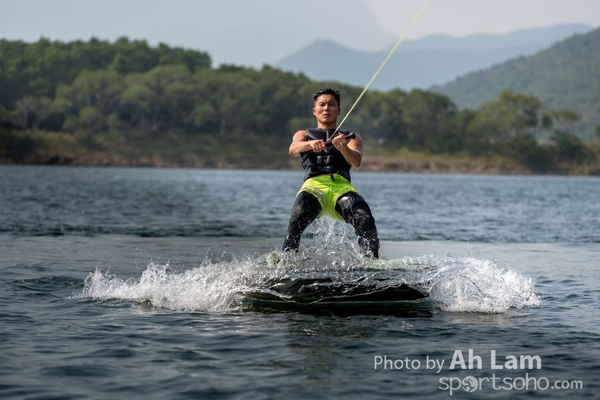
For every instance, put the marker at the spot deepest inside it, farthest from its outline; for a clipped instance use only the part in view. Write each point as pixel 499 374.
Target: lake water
pixel 130 282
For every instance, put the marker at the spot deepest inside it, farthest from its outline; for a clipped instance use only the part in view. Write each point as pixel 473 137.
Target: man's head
pixel 330 91
pixel 326 107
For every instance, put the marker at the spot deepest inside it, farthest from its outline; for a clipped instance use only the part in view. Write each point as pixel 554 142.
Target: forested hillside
pixel 128 103
pixel 567 75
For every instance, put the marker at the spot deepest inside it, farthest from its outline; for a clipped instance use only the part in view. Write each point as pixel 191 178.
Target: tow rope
pixel 410 26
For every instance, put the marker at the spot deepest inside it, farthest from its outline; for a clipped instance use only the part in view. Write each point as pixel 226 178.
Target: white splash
pixel 456 284
pixel 466 284
pixel 210 288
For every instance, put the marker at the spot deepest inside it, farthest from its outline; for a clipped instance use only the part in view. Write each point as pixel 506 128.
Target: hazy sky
pixel 465 17
pixel 253 32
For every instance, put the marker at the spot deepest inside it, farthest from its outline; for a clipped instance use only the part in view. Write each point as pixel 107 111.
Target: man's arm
pixel 300 143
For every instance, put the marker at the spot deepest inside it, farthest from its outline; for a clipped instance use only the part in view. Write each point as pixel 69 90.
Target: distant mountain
pixel 422 63
pixel 566 75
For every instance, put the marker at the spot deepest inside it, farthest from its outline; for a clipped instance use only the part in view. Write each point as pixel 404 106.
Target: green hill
pixel 566 75
pixel 128 103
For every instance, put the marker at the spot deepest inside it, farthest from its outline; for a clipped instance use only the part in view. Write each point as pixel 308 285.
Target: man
pixel 327 157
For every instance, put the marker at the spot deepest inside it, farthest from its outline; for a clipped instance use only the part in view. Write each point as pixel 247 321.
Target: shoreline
pixel 439 165
pixel 55 148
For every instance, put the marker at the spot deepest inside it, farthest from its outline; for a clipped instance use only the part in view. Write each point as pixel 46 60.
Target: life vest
pixel 327 162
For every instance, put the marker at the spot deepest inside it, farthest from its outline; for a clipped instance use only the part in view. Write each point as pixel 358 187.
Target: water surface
pixel 124 282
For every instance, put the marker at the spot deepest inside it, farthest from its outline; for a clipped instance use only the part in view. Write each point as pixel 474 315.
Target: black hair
pixel 327 90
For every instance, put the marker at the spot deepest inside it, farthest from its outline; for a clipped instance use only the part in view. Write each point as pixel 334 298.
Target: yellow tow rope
pixel 414 21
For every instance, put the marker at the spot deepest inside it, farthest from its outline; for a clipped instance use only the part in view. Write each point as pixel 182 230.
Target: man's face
pixel 326 109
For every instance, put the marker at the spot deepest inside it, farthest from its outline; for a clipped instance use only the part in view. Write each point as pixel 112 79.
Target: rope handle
pixel 351 135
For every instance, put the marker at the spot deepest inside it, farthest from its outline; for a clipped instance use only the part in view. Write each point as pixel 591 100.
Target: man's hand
pixel 350 146
pixel 340 142
pixel 318 145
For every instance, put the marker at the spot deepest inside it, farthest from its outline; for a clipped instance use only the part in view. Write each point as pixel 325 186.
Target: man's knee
pixel 353 208
pixel 344 206
pixel 306 206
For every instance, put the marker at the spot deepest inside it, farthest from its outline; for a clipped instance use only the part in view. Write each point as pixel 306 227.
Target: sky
pixel 467 17
pixel 255 32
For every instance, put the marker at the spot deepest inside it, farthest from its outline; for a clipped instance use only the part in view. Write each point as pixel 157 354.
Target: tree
pixel 99 90
pixel 570 148
pixel 136 103
pixel 92 119
pixel 31 112
pixel 192 59
pixel 498 124
pixel 381 116
pixel 508 126
pixel 428 120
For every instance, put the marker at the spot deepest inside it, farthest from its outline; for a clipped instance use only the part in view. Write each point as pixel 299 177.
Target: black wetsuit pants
pixel 351 206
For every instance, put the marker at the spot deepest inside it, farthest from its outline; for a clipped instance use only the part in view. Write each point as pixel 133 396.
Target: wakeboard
pixel 326 295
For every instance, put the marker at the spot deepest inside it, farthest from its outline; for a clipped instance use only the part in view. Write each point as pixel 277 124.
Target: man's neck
pixel 326 127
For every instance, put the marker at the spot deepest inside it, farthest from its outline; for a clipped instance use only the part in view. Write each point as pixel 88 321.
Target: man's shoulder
pixel 300 135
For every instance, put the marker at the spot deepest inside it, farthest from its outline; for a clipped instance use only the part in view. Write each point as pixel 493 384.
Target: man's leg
pixel 305 210
pixel 355 210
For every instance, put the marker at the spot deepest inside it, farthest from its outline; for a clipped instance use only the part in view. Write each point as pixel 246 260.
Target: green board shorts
pixel 328 189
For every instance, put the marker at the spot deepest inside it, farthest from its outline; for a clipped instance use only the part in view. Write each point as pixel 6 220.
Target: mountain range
pixel 422 63
pixel 565 75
